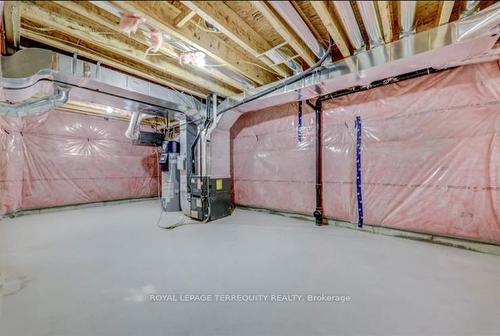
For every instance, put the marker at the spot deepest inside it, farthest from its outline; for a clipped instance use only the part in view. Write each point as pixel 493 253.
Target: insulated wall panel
pixel 430 155
pixel 61 158
pixel 271 166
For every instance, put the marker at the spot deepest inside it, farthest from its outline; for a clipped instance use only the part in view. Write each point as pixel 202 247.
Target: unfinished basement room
pixel 253 168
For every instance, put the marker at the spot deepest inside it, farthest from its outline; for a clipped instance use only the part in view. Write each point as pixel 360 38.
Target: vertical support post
pixel 12 25
pixel 318 213
pixel 359 195
pixel 3 48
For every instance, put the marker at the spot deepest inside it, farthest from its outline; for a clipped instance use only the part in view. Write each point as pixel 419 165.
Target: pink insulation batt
pixel 61 158
pixel 430 155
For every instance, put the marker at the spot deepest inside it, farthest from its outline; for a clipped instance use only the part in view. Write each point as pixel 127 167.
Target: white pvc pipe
pixel 37 106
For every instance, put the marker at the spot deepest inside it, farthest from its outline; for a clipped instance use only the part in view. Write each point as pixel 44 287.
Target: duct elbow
pixel 36 106
pixel 133 129
pixel 485 22
pixel 60 97
pixel 470 8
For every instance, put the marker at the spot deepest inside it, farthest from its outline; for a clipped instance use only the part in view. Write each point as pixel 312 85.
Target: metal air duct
pixel 350 24
pixel 474 25
pixel 446 45
pixel 470 7
pixel 35 106
pixel 371 22
pixel 461 42
pixel 132 131
pixel 407 10
pixel 288 12
pixel 32 71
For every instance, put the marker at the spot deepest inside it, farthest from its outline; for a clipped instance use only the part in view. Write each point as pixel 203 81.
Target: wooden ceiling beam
pixel 395 19
pixel 50 19
pixel 77 8
pixel 81 8
pixel 385 11
pixel 230 24
pixel 445 10
pixel 12 20
pixel 288 35
pixel 331 25
pixel 162 15
pixel 95 56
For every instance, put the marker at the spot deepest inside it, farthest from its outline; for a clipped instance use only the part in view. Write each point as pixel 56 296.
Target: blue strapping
pixel 299 123
pixel 358 171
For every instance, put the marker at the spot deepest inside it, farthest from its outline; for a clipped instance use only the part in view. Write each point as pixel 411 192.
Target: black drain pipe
pixel 318 212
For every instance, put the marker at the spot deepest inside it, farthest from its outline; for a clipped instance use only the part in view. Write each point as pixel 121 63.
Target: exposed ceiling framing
pixel 126 49
pixel 230 24
pixel 163 14
pixel 87 10
pixel 445 12
pixel 386 18
pixel 332 25
pixel 285 31
pixel 234 35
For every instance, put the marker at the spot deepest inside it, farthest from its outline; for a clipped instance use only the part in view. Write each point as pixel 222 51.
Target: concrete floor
pixel 91 271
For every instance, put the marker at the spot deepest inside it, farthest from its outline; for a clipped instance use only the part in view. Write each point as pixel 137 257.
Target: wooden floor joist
pixel 331 26
pixel 163 17
pixel 228 22
pixel 288 35
pixel 83 8
pixel 445 12
pixel 12 21
pixel 49 19
pixel 234 36
pixel 109 61
pixel 385 11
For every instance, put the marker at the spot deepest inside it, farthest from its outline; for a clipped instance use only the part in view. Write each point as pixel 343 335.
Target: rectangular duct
pixel 26 72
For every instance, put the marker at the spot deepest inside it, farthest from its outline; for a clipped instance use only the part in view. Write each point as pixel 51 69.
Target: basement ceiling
pixel 233 36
